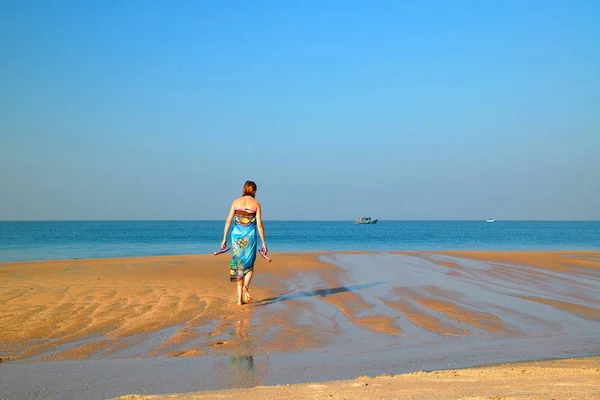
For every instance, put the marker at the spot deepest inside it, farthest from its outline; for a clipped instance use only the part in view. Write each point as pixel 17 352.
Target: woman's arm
pixel 259 225
pixel 227 225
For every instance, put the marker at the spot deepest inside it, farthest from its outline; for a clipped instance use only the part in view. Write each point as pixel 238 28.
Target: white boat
pixel 490 220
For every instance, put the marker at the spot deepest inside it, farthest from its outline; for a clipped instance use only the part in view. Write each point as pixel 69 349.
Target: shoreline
pixel 566 251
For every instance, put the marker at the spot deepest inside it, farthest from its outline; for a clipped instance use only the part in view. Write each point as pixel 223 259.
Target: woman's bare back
pixel 246 202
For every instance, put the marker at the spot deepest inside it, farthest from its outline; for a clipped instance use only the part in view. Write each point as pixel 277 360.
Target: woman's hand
pixel 224 243
pixel 264 248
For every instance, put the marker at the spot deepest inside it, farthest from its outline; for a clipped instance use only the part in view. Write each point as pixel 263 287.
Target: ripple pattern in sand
pixel 359 302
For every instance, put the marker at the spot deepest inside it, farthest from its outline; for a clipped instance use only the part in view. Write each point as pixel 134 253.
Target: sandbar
pixel 316 317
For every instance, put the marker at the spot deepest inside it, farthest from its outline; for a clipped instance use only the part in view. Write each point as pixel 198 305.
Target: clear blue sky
pixel 337 109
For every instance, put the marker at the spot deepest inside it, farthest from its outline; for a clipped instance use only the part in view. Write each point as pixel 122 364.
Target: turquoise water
pixel 87 239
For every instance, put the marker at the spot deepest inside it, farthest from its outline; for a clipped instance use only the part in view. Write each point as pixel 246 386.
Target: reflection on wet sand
pixel 241 369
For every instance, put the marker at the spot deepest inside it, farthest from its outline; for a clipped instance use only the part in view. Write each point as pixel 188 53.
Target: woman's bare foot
pixel 247 296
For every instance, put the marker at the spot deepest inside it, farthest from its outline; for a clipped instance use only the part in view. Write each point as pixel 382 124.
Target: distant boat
pixel 366 220
pixel 490 220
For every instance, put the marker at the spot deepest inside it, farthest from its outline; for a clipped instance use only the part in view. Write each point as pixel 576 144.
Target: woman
pixel 246 215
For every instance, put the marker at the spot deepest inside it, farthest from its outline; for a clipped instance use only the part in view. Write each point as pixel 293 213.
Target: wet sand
pixel 557 379
pixel 315 317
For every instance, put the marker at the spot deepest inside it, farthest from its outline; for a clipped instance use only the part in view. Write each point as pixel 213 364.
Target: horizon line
pixel 297 220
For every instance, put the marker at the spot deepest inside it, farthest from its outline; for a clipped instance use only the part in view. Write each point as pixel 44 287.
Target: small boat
pixel 366 220
pixel 490 220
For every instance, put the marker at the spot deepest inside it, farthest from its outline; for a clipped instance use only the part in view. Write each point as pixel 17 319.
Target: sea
pixel 58 240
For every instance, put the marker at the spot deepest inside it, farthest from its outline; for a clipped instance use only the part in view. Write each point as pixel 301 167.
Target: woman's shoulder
pixel 244 202
pixel 237 202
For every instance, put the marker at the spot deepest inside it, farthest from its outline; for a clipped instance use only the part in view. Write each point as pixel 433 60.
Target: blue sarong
pixel 243 240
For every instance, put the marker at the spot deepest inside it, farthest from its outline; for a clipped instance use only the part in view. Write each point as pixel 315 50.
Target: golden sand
pixel 109 302
pixel 78 309
pixel 96 308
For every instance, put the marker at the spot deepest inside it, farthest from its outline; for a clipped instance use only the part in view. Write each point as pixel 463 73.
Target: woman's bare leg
pixel 240 286
pixel 247 280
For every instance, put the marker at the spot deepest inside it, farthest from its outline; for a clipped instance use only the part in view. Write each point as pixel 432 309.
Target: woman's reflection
pixel 243 370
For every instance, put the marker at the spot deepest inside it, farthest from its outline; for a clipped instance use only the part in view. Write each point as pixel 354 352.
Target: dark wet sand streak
pixel 589 313
pixel 421 318
pixel 434 300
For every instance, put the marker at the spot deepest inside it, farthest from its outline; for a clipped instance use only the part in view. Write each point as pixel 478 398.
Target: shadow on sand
pixel 312 293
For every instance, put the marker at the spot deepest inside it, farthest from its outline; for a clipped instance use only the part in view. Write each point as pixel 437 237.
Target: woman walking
pixel 246 215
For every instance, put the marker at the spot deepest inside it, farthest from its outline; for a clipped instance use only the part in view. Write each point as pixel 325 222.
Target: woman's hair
pixel 249 189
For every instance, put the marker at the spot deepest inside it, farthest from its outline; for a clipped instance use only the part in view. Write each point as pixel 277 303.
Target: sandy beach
pixel 315 317
pixel 47 307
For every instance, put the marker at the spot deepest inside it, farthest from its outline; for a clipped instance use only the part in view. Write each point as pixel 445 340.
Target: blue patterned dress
pixel 243 240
